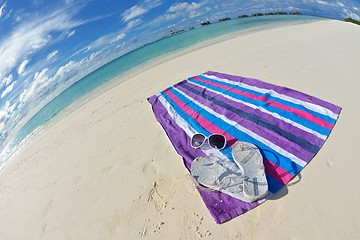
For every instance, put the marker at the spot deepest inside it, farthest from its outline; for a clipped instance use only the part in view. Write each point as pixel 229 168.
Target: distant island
pixel 270 13
pixel 207 22
pixel 173 33
pixel 352 21
pixel 224 19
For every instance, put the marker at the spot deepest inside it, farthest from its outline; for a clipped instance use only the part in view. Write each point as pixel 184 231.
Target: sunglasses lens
pixel 217 141
pixel 197 140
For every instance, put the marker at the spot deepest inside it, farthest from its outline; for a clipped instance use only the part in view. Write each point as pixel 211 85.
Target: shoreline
pixel 107 170
pixel 141 68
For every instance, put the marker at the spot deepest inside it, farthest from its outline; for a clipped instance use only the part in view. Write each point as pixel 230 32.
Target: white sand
pixel 108 171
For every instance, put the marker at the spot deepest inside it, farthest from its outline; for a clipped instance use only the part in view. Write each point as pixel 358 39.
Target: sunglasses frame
pixel 207 139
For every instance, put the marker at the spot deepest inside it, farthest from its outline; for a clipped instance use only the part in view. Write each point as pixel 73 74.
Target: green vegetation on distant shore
pixel 352 21
pixel 207 22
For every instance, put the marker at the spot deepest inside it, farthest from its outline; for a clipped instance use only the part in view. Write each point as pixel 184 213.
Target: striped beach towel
pixel 289 127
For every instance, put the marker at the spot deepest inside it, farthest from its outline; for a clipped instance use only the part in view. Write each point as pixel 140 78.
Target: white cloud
pixel 43 81
pixel 117 37
pixel 22 66
pixel 171 26
pixel 184 6
pixel 2 8
pixel 2 125
pixel 6 81
pixel 340 4
pixel 40 79
pixel 133 12
pixel 183 9
pixel 178 7
pixel 94 55
pixel 133 23
pixel 68 33
pixel 17 18
pixel 5 114
pixel 350 14
pixel 322 2
pixel 152 3
pixel 4 111
pixel 68 70
pixel 139 10
pixel 193 14
pixel 52 54
pixel 104 41
pixel 71 33
pixel 98 42
pixel 8 89
pixel 331 3
pixel 8 15
pixel 29 37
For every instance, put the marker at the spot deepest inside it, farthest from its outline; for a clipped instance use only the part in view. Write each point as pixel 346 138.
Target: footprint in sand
pixel 329 162
pixel 193 227
pixel 160 194
pixel 150 168
pixel 47 208
pixel 107 169
pixel 147 225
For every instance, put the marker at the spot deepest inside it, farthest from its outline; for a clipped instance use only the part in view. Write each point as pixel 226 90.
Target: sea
pixel 136 59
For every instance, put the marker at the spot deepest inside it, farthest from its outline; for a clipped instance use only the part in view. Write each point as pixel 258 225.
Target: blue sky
pixel 46 45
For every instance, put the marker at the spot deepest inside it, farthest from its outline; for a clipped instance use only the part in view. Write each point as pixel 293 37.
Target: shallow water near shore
pixel 136 58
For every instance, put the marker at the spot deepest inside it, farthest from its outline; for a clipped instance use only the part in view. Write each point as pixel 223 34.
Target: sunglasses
pixel 216 141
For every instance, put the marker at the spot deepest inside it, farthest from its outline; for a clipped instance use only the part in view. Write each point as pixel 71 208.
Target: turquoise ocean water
pixel 138 57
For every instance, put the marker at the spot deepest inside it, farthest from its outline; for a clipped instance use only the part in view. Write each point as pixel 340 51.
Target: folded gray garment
pixel 244 180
